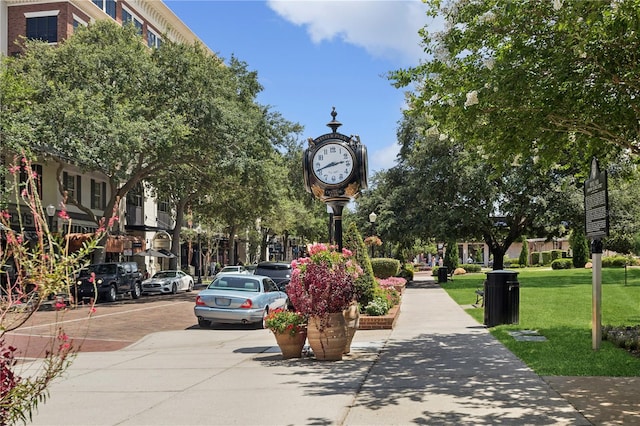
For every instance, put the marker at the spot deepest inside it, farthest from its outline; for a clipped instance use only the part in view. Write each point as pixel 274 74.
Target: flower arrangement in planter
pixel 322 286
pixel 289 322
pixel 323 283
pixel 290 329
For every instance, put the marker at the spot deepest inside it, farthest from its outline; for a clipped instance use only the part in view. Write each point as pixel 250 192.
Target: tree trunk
pixel 175 263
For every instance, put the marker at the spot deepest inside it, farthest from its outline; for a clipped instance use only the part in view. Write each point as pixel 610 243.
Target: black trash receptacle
pixel 442 274
pixel 501 298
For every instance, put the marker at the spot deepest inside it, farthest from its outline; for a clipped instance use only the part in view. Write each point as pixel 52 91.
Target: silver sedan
pixel 168 282
pixel 238 299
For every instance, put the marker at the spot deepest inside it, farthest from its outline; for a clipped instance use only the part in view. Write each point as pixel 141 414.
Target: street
pixel 111 327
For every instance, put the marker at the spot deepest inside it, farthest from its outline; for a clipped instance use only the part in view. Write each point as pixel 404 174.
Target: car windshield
pixel 165 274
pixel 101 269
pixel 235 283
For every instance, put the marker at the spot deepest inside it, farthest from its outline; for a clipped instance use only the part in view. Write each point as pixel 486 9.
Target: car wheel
pixel 203 323
pixel 137 291
pixel 111 294
pixel 174 288
pixel 262 324
pixel 190 286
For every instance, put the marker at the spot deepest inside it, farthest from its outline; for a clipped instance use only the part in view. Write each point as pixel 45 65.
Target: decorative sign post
pixel 596 207
pixel 335 172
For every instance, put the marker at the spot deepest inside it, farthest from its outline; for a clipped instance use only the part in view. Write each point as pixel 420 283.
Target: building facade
pixel 147 221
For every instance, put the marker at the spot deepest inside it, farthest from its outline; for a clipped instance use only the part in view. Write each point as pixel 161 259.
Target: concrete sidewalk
pixel 437 366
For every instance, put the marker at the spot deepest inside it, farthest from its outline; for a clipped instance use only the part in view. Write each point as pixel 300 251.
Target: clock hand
pixel 333 163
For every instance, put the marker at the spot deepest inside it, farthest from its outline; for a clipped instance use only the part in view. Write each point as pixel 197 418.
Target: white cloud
pixel 384 158
pixel 384 28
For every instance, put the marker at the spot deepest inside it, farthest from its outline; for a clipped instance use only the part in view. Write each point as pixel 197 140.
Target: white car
pixel 238 269
pixel 167 282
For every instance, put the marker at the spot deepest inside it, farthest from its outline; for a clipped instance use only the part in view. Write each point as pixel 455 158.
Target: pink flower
pixel 63 215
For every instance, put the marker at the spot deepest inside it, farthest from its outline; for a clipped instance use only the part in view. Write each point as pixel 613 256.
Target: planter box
pixel 380 322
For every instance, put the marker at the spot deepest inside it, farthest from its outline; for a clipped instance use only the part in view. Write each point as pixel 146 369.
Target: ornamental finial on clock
pixel 334 124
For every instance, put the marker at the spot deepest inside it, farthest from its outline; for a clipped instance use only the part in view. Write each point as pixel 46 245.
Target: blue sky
pixel 313 55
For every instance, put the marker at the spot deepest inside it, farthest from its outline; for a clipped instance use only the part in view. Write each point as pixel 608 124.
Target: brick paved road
pixel 112 326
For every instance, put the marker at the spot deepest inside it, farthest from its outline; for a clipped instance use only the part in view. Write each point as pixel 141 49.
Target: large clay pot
pixel 352 320
pixel 291 346
pixel 327 338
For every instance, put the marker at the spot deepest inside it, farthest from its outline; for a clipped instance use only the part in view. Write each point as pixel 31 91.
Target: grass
pixel 558 304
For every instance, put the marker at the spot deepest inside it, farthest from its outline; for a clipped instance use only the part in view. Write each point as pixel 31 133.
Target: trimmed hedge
pixel 618 261
pixel 562 264
pixel 384 267
pixel 471 267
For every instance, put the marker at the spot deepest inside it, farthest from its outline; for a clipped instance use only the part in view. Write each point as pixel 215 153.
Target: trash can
pixel 501 298
pixel 442 274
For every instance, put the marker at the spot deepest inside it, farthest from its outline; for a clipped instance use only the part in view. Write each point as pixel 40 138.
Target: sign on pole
pixel 596 208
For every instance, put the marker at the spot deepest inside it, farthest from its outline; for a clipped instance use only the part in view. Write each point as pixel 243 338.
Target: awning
pixel 76 240
pixel 156 253
pixel 120 243
pixel 114 243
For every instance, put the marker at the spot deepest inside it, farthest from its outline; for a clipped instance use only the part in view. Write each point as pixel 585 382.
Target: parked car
pixel 237 269
pixel 238 299
pixel 279 272
pixel 111 280
pixel 168 282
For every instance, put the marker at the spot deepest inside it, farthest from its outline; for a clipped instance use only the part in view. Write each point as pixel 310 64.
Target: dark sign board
pixel 596 203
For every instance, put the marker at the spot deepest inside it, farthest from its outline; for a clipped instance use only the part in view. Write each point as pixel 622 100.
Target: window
pixel 107 6
pixel 77 22
pixel 36 170
pixel 129 17
pixel 163 205
pixel 152 39
pixel 135 196
pixel 98 195
pixel 71 184
pixel 43 28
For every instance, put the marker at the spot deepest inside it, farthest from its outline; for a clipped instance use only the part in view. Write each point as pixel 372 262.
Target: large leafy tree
pixel 95 102
pixel 456 194
pixel 558 80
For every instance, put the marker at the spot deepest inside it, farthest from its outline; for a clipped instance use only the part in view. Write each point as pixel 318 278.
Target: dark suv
pixel 279 272
pixel 111 280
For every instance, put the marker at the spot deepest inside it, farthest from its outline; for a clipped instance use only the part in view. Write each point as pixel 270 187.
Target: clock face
pixel 332 163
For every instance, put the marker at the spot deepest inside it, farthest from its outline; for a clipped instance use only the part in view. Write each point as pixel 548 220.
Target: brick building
pixel 147 221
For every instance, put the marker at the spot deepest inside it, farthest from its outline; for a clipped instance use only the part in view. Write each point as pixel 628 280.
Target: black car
pixel 111 280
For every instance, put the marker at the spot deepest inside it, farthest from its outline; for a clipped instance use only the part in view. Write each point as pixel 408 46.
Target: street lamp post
pixel 51 212
pixel 372 219
pixel 199 262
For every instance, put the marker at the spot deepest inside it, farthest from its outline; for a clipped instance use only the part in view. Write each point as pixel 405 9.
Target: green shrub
pixel 471 267
pixel 376 307
pixel 516 266
pixel 384 267
pixel 546 257
pixel 406 272
pixel 524 252
pixel 562 264
pixel 579 247
pixel 618 261
pixel 536 259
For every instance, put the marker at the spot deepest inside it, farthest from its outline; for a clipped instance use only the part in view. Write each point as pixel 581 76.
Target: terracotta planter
pixel 291 346
pixel 352 320
pixel 328 342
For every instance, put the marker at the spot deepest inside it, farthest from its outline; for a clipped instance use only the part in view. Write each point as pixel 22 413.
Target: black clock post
pixel 335 171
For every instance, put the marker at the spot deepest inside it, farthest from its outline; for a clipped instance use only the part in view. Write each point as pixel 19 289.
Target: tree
pixel 458 195
pixel 553 80
pixel 523 260
pixel 451 255
pixel 579 247
pixel 365 282
pixel 95 99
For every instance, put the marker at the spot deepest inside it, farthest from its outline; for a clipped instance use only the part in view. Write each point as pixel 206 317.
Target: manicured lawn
pixel 558 305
